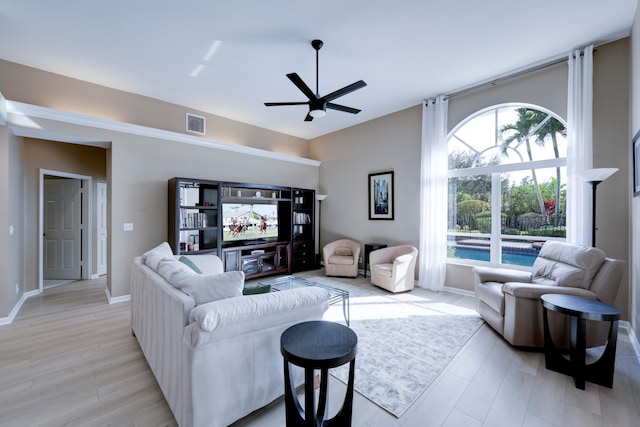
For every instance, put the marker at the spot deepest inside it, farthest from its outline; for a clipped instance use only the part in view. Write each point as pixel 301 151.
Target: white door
pixel 62 229
pixel 102 229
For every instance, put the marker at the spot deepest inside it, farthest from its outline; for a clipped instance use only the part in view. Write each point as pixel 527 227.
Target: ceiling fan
pixel 318 104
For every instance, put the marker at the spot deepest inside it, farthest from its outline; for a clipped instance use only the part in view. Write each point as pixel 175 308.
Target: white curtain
pixel 433 194
pixel 580 145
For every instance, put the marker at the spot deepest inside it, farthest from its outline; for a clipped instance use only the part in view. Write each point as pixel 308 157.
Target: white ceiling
pixel 405 51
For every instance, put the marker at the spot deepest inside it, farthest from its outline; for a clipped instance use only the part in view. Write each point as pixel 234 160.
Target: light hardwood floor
pixel 69 359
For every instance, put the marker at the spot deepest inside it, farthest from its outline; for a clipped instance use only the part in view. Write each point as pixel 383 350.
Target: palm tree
pixel 522 131
pixel 548 127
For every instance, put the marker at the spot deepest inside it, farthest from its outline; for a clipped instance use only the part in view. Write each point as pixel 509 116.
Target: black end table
pixel 317 345
pixel 580 310
pixel 368 248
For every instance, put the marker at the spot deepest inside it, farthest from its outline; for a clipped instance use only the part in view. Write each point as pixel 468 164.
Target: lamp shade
pixel 597 175
pixel 321 197
pixel 317 113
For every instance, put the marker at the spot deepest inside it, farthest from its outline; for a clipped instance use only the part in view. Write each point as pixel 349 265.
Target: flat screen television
pixel 250 222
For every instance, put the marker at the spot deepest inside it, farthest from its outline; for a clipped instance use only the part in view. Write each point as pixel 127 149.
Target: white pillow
pixel 172 270
pixel 205 288
pixel 153 257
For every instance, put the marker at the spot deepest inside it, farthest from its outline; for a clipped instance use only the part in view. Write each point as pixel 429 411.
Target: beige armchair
pixel 509 300
pixel 341 258
pixel 393 268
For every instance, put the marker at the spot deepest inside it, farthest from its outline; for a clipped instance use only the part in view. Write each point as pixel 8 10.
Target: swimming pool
pixel 511 257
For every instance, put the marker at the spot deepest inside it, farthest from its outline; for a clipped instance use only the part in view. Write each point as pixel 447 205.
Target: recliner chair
pixel 509 300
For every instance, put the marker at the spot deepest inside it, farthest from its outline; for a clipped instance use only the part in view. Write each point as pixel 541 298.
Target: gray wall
pixel 389 143
pixel 634 109
pixel 12 283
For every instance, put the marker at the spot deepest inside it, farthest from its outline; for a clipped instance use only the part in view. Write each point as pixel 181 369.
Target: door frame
pixel 85 239
pixel 100 184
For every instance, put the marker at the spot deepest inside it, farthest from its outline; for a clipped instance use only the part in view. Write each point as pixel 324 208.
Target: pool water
pixel 525 260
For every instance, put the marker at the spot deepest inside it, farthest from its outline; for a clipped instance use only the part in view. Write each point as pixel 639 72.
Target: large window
pixel 507 185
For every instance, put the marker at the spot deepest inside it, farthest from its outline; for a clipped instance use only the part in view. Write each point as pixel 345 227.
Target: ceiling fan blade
pixel 275 104
pixel 345 90
pixel 342 108
pixel 308 118
pixel 302 85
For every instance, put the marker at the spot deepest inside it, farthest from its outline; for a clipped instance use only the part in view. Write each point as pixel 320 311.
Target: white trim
pixel 508 167
pixel 20 110
pixel 632 336
pixel 459 291
pixel 3 110
pixel 16 308
pixel 86 236
pixel 116 300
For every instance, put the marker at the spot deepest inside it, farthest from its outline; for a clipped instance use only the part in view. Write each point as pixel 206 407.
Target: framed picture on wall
pixel 381 195
pixel 635 155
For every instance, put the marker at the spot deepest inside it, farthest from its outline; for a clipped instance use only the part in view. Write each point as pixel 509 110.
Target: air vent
pixel 195 124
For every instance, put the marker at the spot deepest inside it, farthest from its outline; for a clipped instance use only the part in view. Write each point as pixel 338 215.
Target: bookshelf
pixel 199 222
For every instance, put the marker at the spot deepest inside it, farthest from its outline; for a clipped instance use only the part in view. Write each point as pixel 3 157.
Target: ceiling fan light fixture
pixel 318 104
pixel 317 113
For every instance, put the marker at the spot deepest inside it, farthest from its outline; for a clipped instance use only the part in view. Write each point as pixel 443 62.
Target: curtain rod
pixel 497 80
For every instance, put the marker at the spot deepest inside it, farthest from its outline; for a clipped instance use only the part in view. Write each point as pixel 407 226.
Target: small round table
pixel 317 345
pixel 580 310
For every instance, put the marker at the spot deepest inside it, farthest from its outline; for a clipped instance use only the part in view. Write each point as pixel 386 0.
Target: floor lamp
pixel 319 198
pixel 595 177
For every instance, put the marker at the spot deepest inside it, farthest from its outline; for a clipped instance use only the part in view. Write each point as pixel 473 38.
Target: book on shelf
pixel 301 218
pixel 192 219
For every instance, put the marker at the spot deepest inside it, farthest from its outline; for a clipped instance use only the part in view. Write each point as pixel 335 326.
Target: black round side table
pixel 317 345
pixel 580 310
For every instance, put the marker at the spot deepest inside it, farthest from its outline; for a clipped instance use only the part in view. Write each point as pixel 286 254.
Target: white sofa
pixel 218 361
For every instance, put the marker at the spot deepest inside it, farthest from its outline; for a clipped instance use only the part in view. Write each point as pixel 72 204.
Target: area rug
pixel 404 342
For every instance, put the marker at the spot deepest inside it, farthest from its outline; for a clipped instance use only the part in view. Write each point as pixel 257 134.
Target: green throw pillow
pixel 186 261
pixel 256 289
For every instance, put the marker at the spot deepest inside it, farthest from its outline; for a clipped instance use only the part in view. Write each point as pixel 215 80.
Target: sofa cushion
pixel 343 251
pixel 202 288
pixel 341 260
pixel 384 269
pixel 186 261
pixel 153 257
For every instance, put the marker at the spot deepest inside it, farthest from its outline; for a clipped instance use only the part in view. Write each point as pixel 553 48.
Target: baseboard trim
pixel 116 300
pixel 16 308
pixel 632 336
pixel 459 291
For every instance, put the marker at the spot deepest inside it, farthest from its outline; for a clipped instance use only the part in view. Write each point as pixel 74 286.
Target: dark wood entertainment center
pixel 281 241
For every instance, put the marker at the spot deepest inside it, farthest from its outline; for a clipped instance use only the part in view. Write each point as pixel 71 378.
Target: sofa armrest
pixel 500 275
pixel 535 291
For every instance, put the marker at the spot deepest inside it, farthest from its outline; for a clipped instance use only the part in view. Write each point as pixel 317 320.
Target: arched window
pixel 507 184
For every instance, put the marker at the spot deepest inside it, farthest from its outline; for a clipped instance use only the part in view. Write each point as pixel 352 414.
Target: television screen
pixel 249 221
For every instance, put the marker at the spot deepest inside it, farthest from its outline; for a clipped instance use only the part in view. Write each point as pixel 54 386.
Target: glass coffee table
pixel 291 282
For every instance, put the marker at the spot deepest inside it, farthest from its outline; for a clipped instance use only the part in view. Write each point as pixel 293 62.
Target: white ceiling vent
pixel 196 124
